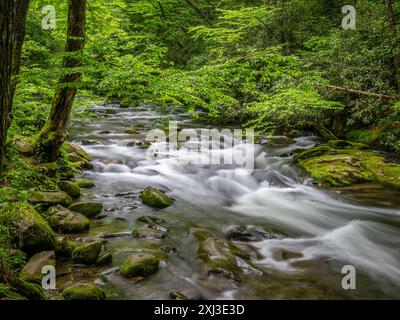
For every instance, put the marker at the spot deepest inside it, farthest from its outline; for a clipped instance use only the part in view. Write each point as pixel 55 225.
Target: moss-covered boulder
pixel 69 188
pixel 344 144
pixel 67 221
pixel 338 168
pixel 104 259
pixel 64 247
pixel 78 151
pixel 140 264
pixel 88 209
pixel 87 253
pixel 32 271
pixel 30 231
pixel 155 198
pixel 50 198
pixel 29 290
pixel 277 141
pixel 149 233
pixel 132 131
pixel 85 183
pixel 83 291
pixel 311 153
pixel 223 258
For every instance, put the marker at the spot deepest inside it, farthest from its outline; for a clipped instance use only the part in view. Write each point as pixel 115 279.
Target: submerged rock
pixel 140 264
pixel 83 291
pixel 50 198
pixel 70 188
pixel 88 209
pixel 249 233
pixel 67 221
pixel 132 131
pixel 88 253
pixel 32 271
pixel 148 233
pixel 155 198
pixel 29 231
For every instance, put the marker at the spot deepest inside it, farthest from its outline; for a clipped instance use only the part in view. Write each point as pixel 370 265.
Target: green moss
pixel 26 289
pixel 84 291
pixel 141 264
pixel 155 198
pixel 87 253
pixel 88 209
pixel 64 247
pixel 85 183
pixel 368 136
pixel 311 153
pixel 66 221
pixel 70 188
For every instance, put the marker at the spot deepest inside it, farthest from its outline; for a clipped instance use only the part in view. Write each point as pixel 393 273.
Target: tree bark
pixel 393 41
pixel 7 40
pixel 53 133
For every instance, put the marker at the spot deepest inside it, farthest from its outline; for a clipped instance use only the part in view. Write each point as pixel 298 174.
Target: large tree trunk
pixel 393 40
pixel 7 40
pixel 54 133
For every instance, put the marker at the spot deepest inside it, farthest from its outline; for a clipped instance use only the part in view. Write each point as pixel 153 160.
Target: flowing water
pixel 357 226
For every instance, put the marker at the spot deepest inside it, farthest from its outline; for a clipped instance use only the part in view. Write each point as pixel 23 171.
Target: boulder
pixel 84 183
pixel 148 233
pixel 88 209
pixel 23 146
pixel 140 264
pixel 104 259
pixel 249 233
pixel 32 271
pixel 69 188
pixel 64 247
pixel 66 221
pixel 78 151
pixel 49 199
pixel 155 198
pixel 83 291
pixel 29 230
pixel 29 290
pixel 87 253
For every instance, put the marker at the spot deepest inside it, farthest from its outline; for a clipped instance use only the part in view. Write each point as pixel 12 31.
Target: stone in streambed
pixel 67 221
pixel 78 151
pixel 141 264
pixel 29 290
pixel 84 183
pixel 88 253
pixel 83 291
pixel 50 198
pixel 70 188
pixel 64 247
pixel 155 198
pixel 249 233
pixel 104 259
pixel 148 233
pixel 88 209
pixel 150 220
pixel 132 131
pixel 32 272
pixel 29 230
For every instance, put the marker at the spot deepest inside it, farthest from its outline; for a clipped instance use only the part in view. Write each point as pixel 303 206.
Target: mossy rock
pixel 278 141
pixel 84 183
pixel 23 146
pixel 365 136
pixel 64 247
pixel 311 153
pixel 83 291
pixel 29 290
pixel 148 233
pixel 30 231
pixel 344 144
pixel 32 271
pixel 132 131
pixel 155 198
pixel 150 220
pixel 49 199
pixel 104 259
pixel 346 167
pixel 87 253
pixel 141 264
pixel 78 151
pixel 79 162
pixel 66 221
pixel 72 189
pixel 88 209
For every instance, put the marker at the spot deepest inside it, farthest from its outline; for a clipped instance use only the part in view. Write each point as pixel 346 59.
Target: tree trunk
pixel 7 40
pixel 393 40
pixel 53 134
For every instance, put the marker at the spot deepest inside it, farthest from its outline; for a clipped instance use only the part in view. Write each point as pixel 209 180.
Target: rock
pixel 104 259
pixel 178 295
pixel 88 253
pixel 155 198
pixel 66 221
pixel 311 153
pixel 132 131
pixel 29 231
pixel 83 291
pixel 23 146
pixel 223 258
pixel 343 144
pixel 64 247
pixel 16 253
pixel 88 209
pixel 78 151
pixel 86 184
pixel 32 272
pixel 148 233
pixel 287 255
pixel 150 220
pixel 278 141
pixel 26 289
pixel 66 172
pixel 141 264
pixel 70 188
pixel 249 233
pixel 80 162
pixel 50 198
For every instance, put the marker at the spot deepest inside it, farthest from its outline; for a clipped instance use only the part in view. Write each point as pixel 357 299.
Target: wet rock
pixel 104 259
pixel 249 233
pixel 84 183
pixel 64 247
pixel 50 198
pixel 29 290
pixel 83 291
pixel 29 231
pixel 140 264
pixel 88 253
pixel 88 209
pixel 148 233
pixel 178 295
pixel 132 131
pixel 150 220
pixel 86 142
pixel 167 249
pixel 67 221
pixel 283 254
pixel 70 188
pixel 341 144
pixel 155 198
pixel 32 271
pixel 105 235
pixel 278 141
pixel 80 162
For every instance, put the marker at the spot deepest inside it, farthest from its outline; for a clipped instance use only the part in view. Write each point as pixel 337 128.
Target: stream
pixel 327 229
